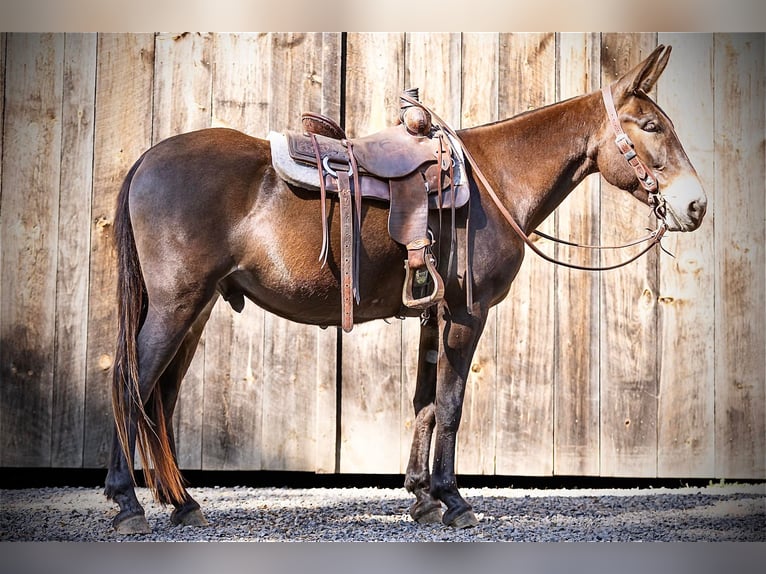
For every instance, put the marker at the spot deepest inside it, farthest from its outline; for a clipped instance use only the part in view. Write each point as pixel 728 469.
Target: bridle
pixel 644 175
pixel 625 145
pixel 628 150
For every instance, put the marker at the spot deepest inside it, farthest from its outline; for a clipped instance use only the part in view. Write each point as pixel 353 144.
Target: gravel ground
pixel 714 513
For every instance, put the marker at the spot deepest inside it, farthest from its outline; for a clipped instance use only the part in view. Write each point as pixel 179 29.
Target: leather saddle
pixel 412 166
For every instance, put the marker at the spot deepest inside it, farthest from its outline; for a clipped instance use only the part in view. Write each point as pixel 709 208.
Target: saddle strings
pixel 444 144
pixel 323 197
pixel 354 167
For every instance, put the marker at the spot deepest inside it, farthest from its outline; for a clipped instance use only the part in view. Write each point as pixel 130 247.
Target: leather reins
pixel 626 148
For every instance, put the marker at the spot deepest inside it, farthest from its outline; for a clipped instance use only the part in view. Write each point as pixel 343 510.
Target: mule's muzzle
pixel 688 218
pixel 684 204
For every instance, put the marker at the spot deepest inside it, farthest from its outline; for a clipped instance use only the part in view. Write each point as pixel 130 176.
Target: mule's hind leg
pixel 160 337
pixel 120 488
pixel 426 508
pixel 187 512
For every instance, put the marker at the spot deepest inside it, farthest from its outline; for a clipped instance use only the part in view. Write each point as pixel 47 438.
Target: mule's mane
pixel 541 111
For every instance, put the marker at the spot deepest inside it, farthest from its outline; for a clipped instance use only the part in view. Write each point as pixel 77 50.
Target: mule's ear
pixel 644 75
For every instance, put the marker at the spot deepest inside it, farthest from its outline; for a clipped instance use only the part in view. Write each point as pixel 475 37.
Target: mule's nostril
pixel 697 211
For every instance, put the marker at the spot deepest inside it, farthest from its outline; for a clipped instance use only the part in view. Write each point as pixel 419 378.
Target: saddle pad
pixel 307 176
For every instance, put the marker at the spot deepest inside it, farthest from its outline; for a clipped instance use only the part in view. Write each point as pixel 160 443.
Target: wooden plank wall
pixel 657 369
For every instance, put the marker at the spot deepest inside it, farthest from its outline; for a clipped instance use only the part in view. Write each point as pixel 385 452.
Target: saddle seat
pixel 380 157
pixel 413 172
pixel 390 153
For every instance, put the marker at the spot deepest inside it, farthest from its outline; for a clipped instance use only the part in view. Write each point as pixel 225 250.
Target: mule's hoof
pixel 428 513
pixel 193 517
pixel 136 524
pixel 466 519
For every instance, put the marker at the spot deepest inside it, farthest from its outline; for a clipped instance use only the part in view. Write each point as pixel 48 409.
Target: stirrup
pixel 420 270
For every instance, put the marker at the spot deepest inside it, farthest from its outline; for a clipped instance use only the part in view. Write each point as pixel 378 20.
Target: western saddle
pixel 413 166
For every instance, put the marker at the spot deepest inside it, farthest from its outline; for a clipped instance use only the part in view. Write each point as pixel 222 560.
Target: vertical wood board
pixel 233 387
pixel 433 65
pixel 739 235
pixel 29 231
pixel 122 132
pixel 525 320
pixel 3 37
pixel 288 434
pixel 182 98
pixel 628 352
pixel 371 371
pixel 480 70
pixel 576 372
pixel 77 113
pixel 479 104
pixel 686 444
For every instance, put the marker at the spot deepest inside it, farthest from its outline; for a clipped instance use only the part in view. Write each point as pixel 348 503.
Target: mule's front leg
pixel 426 508
pixel 459 340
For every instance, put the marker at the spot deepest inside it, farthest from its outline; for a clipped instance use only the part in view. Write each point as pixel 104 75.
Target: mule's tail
pixel 153 442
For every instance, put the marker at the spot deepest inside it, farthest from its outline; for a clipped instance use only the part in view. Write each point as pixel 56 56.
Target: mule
pixel 203 214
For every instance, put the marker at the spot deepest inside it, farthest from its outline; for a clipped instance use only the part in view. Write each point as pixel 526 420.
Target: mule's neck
pixel 535 159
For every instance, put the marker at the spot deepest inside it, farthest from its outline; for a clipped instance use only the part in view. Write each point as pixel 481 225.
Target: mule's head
pixel 678 193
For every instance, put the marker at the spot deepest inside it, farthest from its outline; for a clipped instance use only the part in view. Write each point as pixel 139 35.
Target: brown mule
pixel 204 214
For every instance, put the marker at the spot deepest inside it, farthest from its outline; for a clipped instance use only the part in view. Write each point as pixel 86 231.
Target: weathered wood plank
pixel 182 97
pixel 305 68
pixel 5 410
pixel 327 425
pixel 525 320
pixel 628 352
pixel 289 405
pixel 686 444
pixel 183 84
pixel 305 76
pixel 3 36
pixel 327 437
pixel 476 438
pixel 241 71
pixel 233 389
pixel 78 110
pixel 434 67
pixel 739 236
pixel 576 373
pixel 371 369
pixel 122 132
pixel 409 357
pixel 374 80
pixel 28 234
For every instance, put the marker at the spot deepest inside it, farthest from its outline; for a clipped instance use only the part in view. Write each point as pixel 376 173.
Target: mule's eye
pixel 650 126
